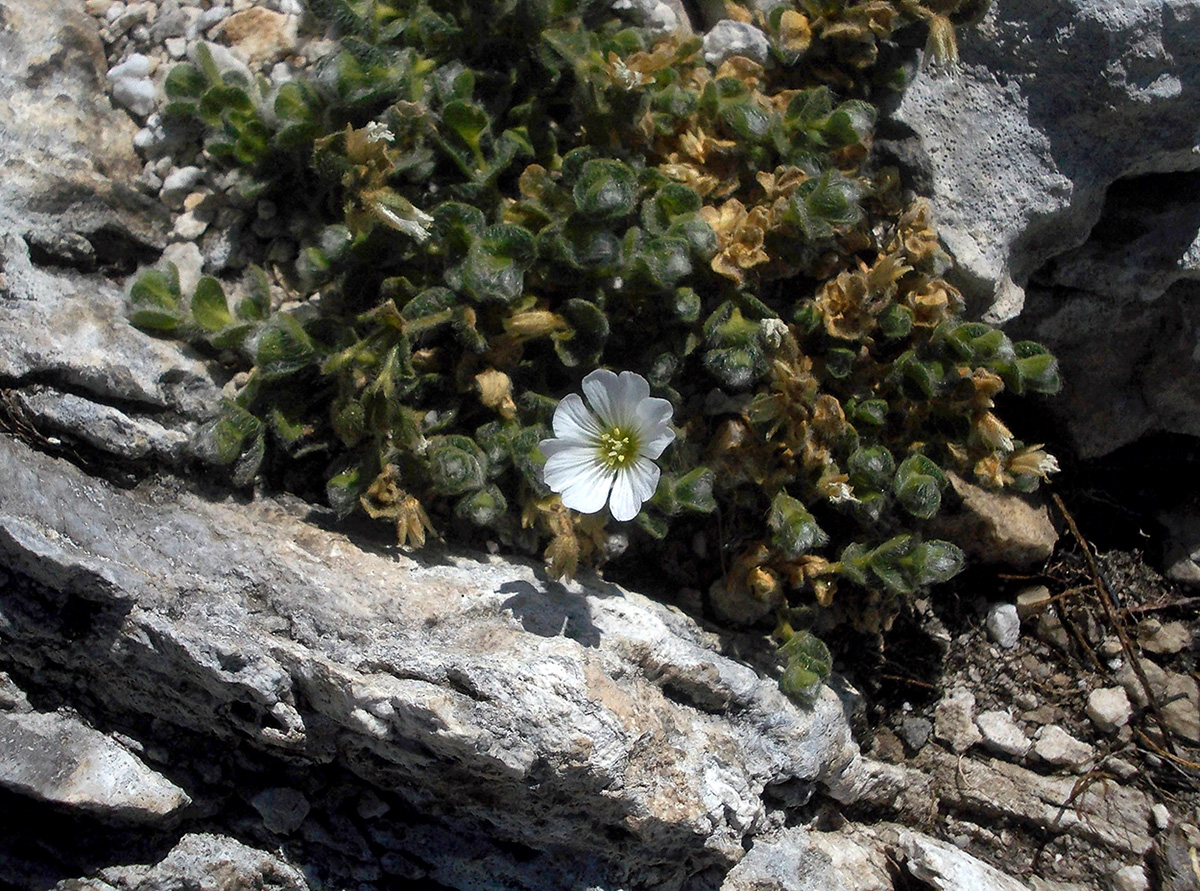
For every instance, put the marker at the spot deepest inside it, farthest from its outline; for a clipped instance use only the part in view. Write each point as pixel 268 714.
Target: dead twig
pixel 1110 612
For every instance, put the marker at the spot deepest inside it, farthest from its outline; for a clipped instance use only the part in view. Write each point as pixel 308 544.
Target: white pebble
pixel 136 94
pixel 135 66
pixel 178 184
pixel 1109 708
pixel 1004 625
pixel 729 38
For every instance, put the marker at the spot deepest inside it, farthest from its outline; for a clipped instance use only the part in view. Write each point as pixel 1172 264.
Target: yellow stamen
pixel 617 447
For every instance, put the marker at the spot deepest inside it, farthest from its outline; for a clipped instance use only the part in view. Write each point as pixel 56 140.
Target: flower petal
pixel 633 486
pixel 652 448
pixel 577 474
pixel 615 399
pixel 600 387
pixel 550 447
pixel 652 420
pixel 573 422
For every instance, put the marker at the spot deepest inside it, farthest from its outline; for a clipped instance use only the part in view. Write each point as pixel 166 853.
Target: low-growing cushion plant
pixel 495 198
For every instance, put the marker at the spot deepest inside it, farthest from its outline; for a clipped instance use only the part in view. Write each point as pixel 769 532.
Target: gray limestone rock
pixel 199 860
pixel 56 758
pixel 1001 734
pixel 1018 170
pixel 1061 157
pixel 954 720
pixel 800 860
pixel 66 164
pixel 468 682
pixel 1055 746
pixel 946 868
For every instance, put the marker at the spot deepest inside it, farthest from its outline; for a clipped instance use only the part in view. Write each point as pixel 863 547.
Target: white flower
pixel 379 132
pixel 606 454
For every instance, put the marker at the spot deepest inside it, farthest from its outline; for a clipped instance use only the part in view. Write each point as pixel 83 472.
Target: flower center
pixel 618 448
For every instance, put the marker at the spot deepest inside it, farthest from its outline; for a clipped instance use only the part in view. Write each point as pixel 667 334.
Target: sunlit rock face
pixel 1061 154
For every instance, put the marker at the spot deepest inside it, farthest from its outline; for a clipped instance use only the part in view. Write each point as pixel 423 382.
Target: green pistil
pixel 618 448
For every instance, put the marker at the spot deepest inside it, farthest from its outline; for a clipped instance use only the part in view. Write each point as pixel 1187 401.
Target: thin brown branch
pixel 1110 612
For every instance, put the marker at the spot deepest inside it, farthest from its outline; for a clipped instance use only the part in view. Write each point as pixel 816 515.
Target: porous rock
pixel 65 159
pixel 1006 528
pixel 1060 156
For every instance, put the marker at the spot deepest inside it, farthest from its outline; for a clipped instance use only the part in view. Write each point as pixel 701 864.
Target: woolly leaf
pixel 796 532
pixel 605 189
pixel 209 307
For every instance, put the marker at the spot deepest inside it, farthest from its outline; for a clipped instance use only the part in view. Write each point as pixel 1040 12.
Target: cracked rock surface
pixel 203 691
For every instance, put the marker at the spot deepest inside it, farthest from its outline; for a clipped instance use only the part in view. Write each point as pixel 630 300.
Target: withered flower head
pixel 740 235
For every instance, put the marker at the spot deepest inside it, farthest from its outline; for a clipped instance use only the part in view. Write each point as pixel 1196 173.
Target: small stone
pixel 283 810
pixel 886 746
pixel 729 38
pixel 1004 625
pixel 1032 601
pixel 176 47
pixel 915 732
pixel 1110 647
pixel 131 84
pixel 188 263
pixel 1121 768
pixel 98 7
pixel 136 66
pixel 1025 700
pixel 1050 630
pixel 260 35
pixel 1157 637
pixel 189 226
pixel 211 17
pixel 1109 708
pixel 178 184
pixel 1001 734
pixel 133 15
pixel 1056 746
pixel 1182 708
pixel 370 805
pixel 197 199
pixel 148 180
pixel 954 720
pixel 1155 677
pixel 1130 878
pixel 1162 816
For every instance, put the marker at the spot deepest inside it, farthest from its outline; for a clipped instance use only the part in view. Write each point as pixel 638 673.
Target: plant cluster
pixel 502 195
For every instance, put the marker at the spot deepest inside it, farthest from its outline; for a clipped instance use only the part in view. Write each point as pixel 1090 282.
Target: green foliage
pixel 494 197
